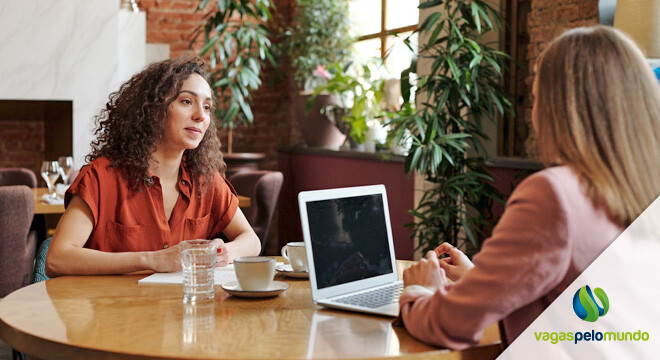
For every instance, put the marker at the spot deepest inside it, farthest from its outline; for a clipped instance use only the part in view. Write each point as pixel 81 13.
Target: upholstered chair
pixel 18 243
pixel 17 176
pixel 23 176
pixel 263 187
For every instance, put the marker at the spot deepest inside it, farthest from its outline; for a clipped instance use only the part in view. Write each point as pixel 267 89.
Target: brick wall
pixel 546 20
pixel 22 144
pixel 173 21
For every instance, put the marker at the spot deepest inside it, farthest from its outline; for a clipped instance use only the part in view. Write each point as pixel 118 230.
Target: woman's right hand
pixel 456 265
pixel 166 260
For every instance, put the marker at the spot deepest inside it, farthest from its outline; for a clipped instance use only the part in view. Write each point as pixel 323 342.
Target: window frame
pixel 383 34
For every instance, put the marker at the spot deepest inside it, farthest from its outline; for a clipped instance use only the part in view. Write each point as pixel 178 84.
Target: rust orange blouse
pixel 129 220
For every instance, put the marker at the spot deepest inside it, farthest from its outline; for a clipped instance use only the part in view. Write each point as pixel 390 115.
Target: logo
pixel 585 305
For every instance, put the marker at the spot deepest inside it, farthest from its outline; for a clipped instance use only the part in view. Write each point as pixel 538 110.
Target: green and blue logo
pixel 587 309
pixel 585 305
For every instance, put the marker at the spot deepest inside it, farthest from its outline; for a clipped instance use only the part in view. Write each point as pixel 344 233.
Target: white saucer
pixel 287 270
pixel 276 288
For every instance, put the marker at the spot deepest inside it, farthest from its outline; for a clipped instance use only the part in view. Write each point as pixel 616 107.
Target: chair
pixel 17 176
pixel 263 187
pixel 18 243
pixel 23 176
pixel 40 261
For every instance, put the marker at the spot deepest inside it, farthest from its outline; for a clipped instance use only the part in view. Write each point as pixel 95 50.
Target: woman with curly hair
pixel 154 178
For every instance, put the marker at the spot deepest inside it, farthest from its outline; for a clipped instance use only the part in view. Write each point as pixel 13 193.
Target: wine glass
pixel 66 167
pixel 50 171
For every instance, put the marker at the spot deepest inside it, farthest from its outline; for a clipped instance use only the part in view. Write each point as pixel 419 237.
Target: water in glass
pixel 198 263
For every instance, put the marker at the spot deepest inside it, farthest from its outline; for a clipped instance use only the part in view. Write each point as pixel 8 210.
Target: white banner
pixel 621 320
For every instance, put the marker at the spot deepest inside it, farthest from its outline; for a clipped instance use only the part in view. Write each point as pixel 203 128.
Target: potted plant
pixel 463 90
pixel 360 99
pixel 319 38
pixel 237 44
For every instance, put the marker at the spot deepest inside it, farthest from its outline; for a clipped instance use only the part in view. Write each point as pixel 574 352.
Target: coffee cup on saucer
pixel 294 253
pixel 255 273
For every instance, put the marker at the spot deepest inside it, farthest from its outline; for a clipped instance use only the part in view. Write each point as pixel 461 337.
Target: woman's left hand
pixel 222 257
pixel 426 272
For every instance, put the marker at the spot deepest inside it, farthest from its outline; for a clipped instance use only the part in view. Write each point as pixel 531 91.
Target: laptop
pixel 350 251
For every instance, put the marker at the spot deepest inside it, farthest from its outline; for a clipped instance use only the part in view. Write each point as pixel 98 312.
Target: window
pixel 381 26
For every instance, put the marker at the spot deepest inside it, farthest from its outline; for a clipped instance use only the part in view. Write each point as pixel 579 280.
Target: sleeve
pixel 87 187
pixel 526 257
pixel 225 203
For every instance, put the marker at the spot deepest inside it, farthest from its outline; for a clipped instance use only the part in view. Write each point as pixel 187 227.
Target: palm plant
pixel 236 40
pixel 462 91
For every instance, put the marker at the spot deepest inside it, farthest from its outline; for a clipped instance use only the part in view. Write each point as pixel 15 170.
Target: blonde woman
pixel 597 115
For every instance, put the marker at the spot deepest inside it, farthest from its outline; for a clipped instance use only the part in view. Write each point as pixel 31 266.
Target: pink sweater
pixel 549 233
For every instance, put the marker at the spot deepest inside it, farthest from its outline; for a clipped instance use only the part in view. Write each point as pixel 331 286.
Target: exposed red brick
pixel 548 19
pixel 24 140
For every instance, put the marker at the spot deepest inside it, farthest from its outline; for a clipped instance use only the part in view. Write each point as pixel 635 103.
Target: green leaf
pixel 454 69
pixel 494 64
pixel 429 21
pixel 475 61
pixel 239 98
pixel 219 83
pixel 468 232
pixel 429 4
pixel 420 126
pixel 415 157
pixel 202 4
pixel 436 32
pixel 488 21
pixel 208 45
pixel 223 5
pixel 231 112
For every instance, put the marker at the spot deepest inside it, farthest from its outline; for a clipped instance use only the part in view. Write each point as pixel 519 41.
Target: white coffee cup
pixel 255 273
pixel 294 253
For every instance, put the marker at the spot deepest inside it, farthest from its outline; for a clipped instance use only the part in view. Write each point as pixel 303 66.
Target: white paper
pixel 222 276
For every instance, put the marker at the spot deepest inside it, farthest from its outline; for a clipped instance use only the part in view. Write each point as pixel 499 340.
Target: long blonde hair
pixel 598 111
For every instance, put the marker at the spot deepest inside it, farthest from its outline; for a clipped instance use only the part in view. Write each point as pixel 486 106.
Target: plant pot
pixel 318 129
pixel 237 162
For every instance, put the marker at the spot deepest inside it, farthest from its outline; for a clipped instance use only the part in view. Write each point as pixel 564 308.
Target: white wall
pixel 68 50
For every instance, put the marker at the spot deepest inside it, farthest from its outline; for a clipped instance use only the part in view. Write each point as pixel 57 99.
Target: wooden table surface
pixel 41 207
pixel 112 317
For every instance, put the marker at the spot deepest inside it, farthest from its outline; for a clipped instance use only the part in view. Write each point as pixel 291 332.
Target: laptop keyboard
pixel 374 298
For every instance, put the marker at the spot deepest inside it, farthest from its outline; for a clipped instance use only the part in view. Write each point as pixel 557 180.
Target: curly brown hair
pixel 134 118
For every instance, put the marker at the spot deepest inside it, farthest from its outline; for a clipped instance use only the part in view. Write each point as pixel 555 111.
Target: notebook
pixel 350 251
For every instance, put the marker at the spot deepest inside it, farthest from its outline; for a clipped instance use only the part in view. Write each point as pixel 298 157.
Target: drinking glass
pixel 66 167
pixel 198 263
pixel 50 171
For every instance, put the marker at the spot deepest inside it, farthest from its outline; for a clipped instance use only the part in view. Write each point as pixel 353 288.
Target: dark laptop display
pixel 349 239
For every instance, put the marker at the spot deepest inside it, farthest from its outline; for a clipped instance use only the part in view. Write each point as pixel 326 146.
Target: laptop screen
pixel 349 239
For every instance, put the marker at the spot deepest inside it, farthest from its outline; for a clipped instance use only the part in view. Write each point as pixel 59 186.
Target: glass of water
pixel 50 171
pixel 198 263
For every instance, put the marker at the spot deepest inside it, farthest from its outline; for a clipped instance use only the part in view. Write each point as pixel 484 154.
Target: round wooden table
pixel 112 317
